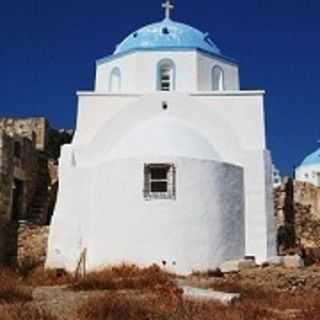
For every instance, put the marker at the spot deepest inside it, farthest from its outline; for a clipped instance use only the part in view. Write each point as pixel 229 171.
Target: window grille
pixel 166 75
pixel 159 181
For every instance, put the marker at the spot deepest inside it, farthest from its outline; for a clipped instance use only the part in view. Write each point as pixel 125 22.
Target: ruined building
pixel 29 149
pixel 297 212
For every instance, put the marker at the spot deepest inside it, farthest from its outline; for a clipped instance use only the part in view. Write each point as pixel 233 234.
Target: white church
pixel 309 169
pixel 169 163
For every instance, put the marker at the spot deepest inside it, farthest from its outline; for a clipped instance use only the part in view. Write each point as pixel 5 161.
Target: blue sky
pixel 48 51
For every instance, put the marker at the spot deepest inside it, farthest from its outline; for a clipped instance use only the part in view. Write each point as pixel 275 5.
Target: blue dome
pixel 167 34
pixel 312 159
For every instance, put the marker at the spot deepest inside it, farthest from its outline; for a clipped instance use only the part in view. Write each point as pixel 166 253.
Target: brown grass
pixel 256 303
pixel 125 277
pixel 302 304
pixel 149 293
pixel 11 290
pixel 116 306
pixel 160 307
pixel 46 277
pixel 24 312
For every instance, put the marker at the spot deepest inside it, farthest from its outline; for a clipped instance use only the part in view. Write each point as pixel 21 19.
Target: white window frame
pixel 115 80
pixel 166 75
pixel 170 179
pixel 217 79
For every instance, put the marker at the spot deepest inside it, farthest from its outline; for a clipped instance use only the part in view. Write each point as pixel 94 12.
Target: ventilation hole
pixel 164 263
pixel 165 30
pixel 164 106
pixel 174 263
pixel 135 35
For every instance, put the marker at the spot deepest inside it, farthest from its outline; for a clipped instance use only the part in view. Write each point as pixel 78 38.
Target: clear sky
pixel 48 51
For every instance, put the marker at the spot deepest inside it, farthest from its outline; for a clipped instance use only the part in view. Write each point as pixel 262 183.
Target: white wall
pixel 205 64
pixel 203 227
pixel 240 114
pixel 260 227
pixel 201 117
pixel 96 109
pixel 139 71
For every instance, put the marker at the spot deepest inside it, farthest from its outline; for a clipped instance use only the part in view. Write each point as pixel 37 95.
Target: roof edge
pixel 163 49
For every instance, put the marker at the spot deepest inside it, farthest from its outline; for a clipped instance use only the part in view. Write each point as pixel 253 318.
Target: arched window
pixel 217 79
pixel 115 80
pixel 166 75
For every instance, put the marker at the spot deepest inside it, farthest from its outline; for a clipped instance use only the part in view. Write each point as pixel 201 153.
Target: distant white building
pixel 309 169
pixel 169 163
pixel 277 180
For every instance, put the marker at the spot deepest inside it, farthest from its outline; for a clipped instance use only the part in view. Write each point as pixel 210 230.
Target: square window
pixel 159 181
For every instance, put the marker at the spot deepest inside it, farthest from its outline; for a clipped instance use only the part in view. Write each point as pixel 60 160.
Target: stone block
pixel 237 265
pixel 208 295
pixel 275 261
pixel 293 261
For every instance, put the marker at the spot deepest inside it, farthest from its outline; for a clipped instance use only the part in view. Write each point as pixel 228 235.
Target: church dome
pixel 167 34
pixel 312 159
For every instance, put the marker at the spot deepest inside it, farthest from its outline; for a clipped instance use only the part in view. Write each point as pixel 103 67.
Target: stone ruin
pixel 297 213
pixel 29 152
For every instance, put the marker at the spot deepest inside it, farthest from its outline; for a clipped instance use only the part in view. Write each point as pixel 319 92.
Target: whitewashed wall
pixel 203 227
pixel 205 63
pixel 139 71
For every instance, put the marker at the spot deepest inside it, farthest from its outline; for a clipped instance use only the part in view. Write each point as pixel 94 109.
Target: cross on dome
pixel 167 6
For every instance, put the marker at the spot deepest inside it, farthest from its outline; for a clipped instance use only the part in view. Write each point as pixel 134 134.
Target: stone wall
pixel 19 163
pixel 32 241
pixel 23 244
pixel 6 174
pixel 29 152
pixel 308 195
pixel 297 213
pixel 35 129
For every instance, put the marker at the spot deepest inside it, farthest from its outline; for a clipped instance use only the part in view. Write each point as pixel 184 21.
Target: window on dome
pixel 159 181
pixel 166 76
pixel 217 79
pixel 115 80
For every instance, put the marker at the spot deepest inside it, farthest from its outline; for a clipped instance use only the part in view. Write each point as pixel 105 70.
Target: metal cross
pixel 167 6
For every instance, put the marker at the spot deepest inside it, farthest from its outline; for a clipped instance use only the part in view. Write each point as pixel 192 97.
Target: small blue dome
pixel 167 34
pixel 312 159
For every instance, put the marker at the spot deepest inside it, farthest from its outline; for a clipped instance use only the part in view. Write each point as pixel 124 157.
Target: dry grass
pixel 300 305
pixel 160 307
pixel 24 312
pixel 125 277
pixel 149 293
pixel 46 277
pixel 257 303
pixel 166 307
pixel 11 290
